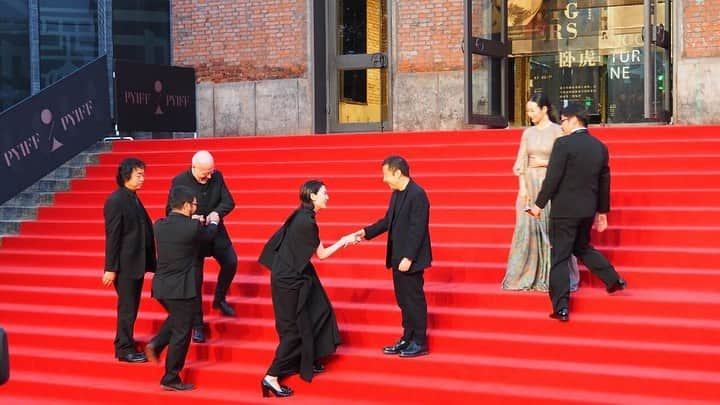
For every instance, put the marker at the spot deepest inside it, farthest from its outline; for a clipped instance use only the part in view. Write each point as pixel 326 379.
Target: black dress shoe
pixel 224 308
pixel 619 285
pixel 395 349
pixel 178 386
pixel 133 358
pixel 267 388
pixel 318 368
pixel 414 350
pixel 198 334
pixel 561 315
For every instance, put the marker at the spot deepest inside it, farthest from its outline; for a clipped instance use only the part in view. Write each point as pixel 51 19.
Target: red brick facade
pixel 702 28
pixel 429 34
pixel 230 40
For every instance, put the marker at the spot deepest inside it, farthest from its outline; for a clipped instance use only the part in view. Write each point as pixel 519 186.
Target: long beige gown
pixel 529 260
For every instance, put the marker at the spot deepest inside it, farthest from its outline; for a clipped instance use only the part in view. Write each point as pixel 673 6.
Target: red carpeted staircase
pixel 656 342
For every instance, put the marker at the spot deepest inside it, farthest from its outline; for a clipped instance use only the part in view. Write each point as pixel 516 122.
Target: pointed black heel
pixel 267 388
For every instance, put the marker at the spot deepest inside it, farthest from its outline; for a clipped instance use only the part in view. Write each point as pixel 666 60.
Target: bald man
pixel 212 196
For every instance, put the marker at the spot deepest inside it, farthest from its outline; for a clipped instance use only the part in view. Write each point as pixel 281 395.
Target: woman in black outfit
pixel 304 319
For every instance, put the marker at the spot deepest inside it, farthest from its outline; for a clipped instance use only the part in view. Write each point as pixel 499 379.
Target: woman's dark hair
pixel 542 100
pixel 396 162
pixel 179 195
pixel 126 168
pixel 308 188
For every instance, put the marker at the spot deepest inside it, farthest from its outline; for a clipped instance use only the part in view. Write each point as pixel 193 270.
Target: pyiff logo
pixel 46 117
pixel 67 122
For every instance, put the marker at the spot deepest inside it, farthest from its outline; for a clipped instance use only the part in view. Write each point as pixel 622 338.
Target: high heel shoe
pixel 267 388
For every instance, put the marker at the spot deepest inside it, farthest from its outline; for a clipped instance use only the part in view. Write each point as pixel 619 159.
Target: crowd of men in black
pixel 175 249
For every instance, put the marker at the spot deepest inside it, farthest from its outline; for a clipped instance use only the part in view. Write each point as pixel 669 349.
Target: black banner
pixel 154 98
pixel 46 130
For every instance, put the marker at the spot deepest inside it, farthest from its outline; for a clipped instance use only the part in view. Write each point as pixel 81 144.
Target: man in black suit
pixel 213 197
pixel 408 253
pixel 578 184
pixel 179 240
pixel 129 253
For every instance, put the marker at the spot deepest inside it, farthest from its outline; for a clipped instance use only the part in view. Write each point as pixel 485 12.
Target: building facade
pixel 301 66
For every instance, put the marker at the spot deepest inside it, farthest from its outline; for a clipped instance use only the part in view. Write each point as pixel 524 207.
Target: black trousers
pixel 289 348
pixel 128 292
pixel 227 259
pixel 413 307
pixel 175 334
pixel 570 236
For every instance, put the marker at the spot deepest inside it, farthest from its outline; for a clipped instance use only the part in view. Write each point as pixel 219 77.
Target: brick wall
pixel 702 28
pixel 429 35
pixel 230 40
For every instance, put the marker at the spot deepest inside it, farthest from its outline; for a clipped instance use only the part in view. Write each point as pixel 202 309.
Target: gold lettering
pixel 571 11
pixel 572 30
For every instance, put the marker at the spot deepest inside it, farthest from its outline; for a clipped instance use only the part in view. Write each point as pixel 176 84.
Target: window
pixel 68 37
pixel 141 31
pixel 14 52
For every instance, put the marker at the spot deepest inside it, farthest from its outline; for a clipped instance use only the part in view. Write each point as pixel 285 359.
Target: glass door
pixel 656 58
pixel 486 62
pixel 594 53
pixel 357 66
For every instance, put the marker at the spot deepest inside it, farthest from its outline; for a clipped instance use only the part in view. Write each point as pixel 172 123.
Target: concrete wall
pixel 254 108
pixel 697 91
pixel 428 101
pixel 697 62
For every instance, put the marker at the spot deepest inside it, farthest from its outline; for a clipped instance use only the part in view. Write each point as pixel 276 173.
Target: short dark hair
pixel 126 168
pixel 576 110
pixel 396 162
pixel 179 195
pixel 308 188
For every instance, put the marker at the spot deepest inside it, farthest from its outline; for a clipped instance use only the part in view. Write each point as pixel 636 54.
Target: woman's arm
pixel 323 252
pixel 521 162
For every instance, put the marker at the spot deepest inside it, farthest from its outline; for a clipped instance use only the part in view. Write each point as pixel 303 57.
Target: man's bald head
pixel 203 166
pixel 203 157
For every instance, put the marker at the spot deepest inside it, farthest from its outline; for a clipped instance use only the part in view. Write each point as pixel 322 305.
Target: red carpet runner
pixel 656 342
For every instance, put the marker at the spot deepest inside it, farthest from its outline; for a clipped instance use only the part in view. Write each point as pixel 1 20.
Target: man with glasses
pixel 179 241
pixel 578 184
pixel 213 197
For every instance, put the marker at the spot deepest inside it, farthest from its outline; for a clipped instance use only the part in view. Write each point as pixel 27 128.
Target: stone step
pixel 18 213
pixel 30 199
pixel 49 185
pixel 66 172
pixel 9 227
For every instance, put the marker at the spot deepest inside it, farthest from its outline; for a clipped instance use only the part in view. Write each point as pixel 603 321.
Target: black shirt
pixel 211 196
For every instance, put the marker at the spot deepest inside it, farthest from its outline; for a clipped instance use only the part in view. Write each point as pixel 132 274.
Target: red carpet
pixel 656 342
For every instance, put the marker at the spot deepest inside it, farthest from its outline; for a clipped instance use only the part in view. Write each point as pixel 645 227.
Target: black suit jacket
pixel 211 196
pixel 129 242
pixel 179 240
pixel 578 177
pixel 406 222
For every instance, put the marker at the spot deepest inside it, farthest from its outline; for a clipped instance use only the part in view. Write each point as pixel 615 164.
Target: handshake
pixel 212 217
pixel 353 238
